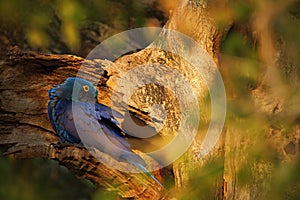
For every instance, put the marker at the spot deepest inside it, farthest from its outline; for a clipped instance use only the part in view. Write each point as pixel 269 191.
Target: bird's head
pixel 76 89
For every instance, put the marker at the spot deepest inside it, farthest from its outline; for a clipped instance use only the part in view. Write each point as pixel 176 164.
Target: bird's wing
pixel 108 110
pixel 104 132
pixel 84 122
pixel 109 125
pixel 61 117
pixel 76 121
pixel 107 115
pixel 96 128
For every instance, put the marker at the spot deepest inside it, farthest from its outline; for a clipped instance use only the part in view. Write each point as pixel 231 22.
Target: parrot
pixel 76 98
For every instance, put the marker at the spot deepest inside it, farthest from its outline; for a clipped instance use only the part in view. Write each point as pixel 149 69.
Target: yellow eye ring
pixel 86 88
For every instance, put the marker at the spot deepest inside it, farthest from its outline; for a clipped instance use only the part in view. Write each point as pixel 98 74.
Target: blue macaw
pixel 78 97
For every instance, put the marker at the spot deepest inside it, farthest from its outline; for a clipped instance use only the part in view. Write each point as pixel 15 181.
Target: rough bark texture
pixel 26 131
pixel 194 20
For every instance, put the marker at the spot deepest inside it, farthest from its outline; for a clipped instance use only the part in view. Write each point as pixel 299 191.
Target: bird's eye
pixel 86 88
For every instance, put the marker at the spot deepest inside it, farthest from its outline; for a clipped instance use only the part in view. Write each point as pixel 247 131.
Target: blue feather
pixel 74 110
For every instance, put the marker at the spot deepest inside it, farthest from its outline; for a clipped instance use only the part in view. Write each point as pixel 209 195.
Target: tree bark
pixel 27 133
pixel 194 19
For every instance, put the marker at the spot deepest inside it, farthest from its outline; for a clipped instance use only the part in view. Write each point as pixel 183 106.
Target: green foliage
pixel 242 10
pixel 37 178
pixel 34 15
pixel 237 45
pixel 285 183
pixel 201 184
pixel 103 194
pixel 35 18
pixel 71 14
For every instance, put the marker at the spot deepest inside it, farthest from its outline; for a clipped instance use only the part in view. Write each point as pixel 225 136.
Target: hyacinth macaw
pixel 77 98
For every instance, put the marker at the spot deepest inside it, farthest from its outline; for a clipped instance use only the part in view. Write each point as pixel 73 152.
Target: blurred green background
pixel 77 26
pixel 72 26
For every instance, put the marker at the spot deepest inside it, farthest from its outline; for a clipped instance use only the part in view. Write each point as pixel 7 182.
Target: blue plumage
pixel 78 118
